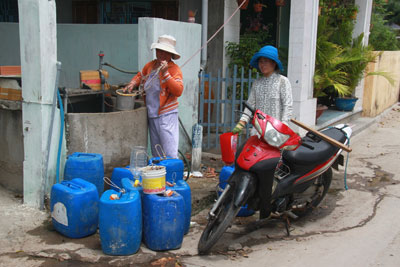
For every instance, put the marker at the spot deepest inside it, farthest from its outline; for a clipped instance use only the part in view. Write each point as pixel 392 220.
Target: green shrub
pixel 241 53
pixel 382 37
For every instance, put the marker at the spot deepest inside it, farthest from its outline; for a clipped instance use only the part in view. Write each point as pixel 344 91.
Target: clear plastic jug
pixel 138 160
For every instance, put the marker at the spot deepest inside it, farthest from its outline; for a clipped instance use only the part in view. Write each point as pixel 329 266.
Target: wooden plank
pixel 323 136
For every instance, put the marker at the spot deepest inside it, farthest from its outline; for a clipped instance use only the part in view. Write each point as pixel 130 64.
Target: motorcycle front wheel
pixel 217 225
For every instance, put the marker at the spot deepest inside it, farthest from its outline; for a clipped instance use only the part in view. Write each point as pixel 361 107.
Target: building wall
pixel 12 148
pixel 64 11
pixel 215 57
pixel 78 46
pixel 9 45
pixel 379 94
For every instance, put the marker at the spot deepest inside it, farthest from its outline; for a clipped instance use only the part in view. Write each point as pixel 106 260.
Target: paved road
pixel 357 227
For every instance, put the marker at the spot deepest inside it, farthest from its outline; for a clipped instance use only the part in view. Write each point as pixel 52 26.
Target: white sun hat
pixel 167 43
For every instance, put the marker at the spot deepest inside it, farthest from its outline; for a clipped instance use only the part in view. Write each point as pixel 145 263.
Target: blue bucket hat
pixel 267 51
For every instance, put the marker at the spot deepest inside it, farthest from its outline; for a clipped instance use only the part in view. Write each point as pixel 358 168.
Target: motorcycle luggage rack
pixel 281 170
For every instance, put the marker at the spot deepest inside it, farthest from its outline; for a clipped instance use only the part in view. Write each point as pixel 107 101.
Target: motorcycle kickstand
pixel 287 225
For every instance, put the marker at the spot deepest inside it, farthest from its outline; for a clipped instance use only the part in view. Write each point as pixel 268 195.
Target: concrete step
pixel 354 119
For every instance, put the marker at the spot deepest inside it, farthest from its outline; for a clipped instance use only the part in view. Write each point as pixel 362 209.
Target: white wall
pixel 302 42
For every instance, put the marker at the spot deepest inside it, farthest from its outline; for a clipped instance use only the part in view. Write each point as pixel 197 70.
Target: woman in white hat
pixel 162 80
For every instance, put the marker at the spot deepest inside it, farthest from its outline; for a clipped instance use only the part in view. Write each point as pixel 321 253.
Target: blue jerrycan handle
pixel 71 185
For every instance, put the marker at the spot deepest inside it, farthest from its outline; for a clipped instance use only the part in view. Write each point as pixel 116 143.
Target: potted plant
pixel 340 61
pixel 258 6
pixel 329 78
pixel 191 16
pixel 356 69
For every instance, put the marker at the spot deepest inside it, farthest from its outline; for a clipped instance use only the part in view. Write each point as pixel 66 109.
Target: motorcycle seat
pixel 322 150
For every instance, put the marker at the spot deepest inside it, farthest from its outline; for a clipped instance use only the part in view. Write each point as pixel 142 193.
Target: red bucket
pixel 228 142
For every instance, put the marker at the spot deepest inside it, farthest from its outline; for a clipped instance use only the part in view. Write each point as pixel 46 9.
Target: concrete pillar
pixel 302 46
pixel 363 19
pixel 38 45
pixel 231 31
pixel 362 26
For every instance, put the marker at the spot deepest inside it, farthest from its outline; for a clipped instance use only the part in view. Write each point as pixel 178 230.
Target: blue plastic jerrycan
pixel 87 166
pixel 74 208
pixel 163 221
pixel 226 172
pixel 120 222
pixel 174 168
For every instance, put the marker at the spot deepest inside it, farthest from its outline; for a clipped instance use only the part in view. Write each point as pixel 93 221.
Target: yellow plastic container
pixel 153 179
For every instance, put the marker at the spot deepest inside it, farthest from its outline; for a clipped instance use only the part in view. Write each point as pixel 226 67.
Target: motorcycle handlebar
pixel 249 107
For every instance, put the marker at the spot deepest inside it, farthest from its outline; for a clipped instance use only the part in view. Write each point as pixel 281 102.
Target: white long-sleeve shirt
pixel 273 96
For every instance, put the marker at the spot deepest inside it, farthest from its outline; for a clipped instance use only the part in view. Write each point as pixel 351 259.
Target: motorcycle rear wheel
pixel 321 184
pixel 216 226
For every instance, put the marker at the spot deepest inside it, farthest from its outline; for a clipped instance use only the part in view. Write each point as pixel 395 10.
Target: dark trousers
pixel 266 178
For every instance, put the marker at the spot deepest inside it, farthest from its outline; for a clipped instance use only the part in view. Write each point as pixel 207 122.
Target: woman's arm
pixel 252 102
pixel 172 80
pixel 286 100
pixel 137 79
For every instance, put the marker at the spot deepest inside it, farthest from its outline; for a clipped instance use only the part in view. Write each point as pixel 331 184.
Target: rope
pixel 111 183
pixel 121 92
pixel 347 159
pixel 143 89
pixel 121 70
pixel 152 78
pixel 212 37
pixel 159 148
pixel 345 168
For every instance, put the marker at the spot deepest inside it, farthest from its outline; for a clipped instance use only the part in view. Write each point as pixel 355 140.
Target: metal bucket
pixel 125 101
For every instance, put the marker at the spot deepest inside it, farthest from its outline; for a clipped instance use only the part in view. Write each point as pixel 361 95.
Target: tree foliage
pixel 383 37
pixel 241 53
pixel 393 9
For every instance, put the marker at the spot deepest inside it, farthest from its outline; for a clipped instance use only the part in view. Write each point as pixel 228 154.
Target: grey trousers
pixel 164 130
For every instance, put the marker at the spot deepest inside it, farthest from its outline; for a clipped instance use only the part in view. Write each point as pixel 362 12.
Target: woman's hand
pixel 163 66
pixel 239 127
pixel 129 88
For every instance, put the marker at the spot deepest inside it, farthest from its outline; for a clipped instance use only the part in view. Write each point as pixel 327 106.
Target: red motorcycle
pixel 278 173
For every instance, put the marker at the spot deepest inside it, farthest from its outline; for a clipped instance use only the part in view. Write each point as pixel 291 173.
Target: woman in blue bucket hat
pixel 272 92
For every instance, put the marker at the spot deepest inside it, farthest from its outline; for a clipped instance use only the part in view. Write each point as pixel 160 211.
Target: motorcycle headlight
pixel 273 137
